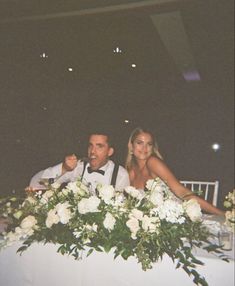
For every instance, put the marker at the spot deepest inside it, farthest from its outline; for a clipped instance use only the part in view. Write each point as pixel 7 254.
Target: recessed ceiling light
pixel 126 121
pixel 70 69
pixel 133 65
pixel 215 146
pixel 117 50
pixel 43 55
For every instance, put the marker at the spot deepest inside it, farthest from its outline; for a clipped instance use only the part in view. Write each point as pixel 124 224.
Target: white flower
pixel 11 237
pixel 46 196
pixel 77 234
pixel 135 213
pixel 38 194
pixel 229 202
pixel 107 193
pixel 78 188
pixel 55 185
pixel 172 211
pixel 231 197
pixel 30 199
pixel 72 186
pixel 149 223
pixel 109 221
pixel 133 225
pixel 193 209
pixel 230 220
pixel 156 197
pixel 63 212
pixel 52 218
pixel 133 192
pixel 88 205
pixel 154 185
pixel 64 192
pixel 92 227
pixel 119 200
pixel 28 222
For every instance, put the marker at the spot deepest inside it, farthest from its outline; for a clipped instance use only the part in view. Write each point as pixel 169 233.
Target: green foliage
pixel 146 225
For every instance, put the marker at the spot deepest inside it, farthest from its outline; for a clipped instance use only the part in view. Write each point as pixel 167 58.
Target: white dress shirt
pixel 92 179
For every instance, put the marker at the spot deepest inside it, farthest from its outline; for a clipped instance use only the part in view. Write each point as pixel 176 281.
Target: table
pixel 41 265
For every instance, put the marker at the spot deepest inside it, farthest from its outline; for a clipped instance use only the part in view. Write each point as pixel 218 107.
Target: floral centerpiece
pixel 144 224
pixel 229 204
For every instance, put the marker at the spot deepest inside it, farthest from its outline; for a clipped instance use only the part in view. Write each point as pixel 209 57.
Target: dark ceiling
pixel 47 111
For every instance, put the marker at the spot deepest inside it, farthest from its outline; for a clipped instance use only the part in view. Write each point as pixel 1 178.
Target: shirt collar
pixel 105 167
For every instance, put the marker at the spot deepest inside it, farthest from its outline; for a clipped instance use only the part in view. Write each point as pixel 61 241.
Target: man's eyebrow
pixel 100 144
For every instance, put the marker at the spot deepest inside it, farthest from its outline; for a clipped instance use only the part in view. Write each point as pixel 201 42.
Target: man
pixel 97 168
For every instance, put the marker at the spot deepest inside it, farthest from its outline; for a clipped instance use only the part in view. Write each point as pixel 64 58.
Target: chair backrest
pixel 209 189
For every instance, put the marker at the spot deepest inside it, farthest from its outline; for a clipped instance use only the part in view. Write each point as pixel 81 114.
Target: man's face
pixel 99 151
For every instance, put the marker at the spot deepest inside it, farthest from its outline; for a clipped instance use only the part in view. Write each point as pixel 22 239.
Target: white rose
pixel 149 223
pixel 72 186
pixel 64 212
pixel 136 214
pixel 52 218
pixel 133 192
pixel 107 193
pixel 82 206
pixel 78 188
pixel 28 222
pixel 19 231
pixel 88 205
pixel 193 209
pixel 156 198
pixel 109 221
pixel 133 225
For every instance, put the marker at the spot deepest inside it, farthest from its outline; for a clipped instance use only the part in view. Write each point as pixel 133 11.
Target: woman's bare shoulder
pixel 153 160
pixel 153 165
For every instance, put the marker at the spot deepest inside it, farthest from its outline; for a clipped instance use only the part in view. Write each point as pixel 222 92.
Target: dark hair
pixel 104 132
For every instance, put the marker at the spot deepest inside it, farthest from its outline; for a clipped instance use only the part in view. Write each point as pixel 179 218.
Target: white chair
pixel 209 189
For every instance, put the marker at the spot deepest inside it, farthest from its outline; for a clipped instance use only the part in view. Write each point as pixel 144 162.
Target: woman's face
pixel 142 146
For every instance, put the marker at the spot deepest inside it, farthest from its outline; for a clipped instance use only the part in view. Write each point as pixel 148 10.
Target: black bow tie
pixel 89 170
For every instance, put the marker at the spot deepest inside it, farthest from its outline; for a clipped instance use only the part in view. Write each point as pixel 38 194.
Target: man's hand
pixel 29 190
pixel 69 164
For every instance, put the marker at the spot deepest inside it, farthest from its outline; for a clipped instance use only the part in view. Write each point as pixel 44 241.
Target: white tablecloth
pixel 41 265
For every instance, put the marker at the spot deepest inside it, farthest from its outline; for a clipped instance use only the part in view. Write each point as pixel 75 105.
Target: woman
pixel 144 162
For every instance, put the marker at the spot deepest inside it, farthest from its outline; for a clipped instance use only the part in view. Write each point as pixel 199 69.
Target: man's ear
pixel 111 151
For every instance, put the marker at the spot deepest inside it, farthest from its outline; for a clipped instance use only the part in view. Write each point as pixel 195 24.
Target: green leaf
pixel 90 251
pixel 22 248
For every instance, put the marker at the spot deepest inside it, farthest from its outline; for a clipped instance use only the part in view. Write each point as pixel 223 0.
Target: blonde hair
pixel 130 159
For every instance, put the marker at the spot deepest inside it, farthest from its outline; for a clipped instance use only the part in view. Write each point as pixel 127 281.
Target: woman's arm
pixel 158 168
